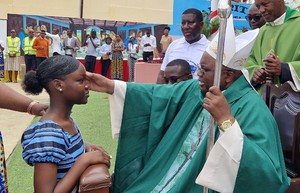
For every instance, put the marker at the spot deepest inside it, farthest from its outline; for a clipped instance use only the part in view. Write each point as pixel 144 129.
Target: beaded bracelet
pixel 29 108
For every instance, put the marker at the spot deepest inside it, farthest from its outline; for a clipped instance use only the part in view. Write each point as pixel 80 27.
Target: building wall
pixel 154 11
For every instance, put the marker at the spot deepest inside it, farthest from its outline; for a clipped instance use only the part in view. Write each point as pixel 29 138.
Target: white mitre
pixel 236 49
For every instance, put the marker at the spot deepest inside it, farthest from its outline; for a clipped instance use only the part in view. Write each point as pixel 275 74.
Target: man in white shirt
pixel 190 47
pixel 55 42
pixel 71 44
pixel 148 44
pixel 90 59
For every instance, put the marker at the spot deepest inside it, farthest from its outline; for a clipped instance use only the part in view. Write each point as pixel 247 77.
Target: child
pixel 54 145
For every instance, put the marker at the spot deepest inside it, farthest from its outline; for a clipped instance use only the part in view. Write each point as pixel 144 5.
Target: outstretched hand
pixel 216 104
pixel 100 83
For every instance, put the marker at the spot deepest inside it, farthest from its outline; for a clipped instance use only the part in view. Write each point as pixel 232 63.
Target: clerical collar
pixel 278 21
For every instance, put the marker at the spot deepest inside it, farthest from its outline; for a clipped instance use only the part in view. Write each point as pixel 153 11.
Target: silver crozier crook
pixel 224 11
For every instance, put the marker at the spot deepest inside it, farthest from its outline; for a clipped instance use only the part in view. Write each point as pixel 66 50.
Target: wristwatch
pixel 226 124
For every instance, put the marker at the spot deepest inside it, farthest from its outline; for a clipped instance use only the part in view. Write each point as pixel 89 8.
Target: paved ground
pixel 13 124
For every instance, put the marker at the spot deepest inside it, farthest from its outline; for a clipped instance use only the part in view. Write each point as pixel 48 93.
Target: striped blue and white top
pixel 47 142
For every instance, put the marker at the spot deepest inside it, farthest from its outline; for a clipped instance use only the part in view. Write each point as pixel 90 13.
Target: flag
pixel 214 18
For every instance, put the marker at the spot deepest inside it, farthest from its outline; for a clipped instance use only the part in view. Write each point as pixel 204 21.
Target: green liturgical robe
pixel 284 41
pixel 163 139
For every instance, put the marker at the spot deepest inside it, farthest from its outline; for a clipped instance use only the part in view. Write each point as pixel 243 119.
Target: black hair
pixel 194 11
pixel 55 67
pixel 185 66
pixel 168 28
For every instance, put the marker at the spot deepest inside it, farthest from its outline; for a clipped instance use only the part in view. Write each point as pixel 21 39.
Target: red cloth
pixel 98 67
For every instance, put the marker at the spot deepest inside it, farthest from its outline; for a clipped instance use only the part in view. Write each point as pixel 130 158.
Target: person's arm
pixel 64 44
pixel 100 83
pixel 102 50
pixel 12 100
pixel 142 41
pixel 1 47
pixel 36 45
pixel 153 42
pixel 77 45
pixel 241 143
pixel 47 48
pixel 137 48
pixel 94 44
pixel 19 45
pixel 6 46
pixel 50 35
pixel 46 182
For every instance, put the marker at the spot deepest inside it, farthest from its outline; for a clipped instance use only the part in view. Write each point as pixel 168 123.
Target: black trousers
pixel 30 62
pixel 90 62
pixel 147 56
pixel 105 66
pixel 39 60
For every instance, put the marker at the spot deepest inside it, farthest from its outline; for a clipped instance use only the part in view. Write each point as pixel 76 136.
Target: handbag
pixel 95 179
pixel 133 56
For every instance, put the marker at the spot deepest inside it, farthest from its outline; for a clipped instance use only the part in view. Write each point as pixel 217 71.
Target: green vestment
pixel 283 39
pixel 163 136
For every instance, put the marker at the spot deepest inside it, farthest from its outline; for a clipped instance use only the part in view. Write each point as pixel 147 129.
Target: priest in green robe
pixel 276 52
pixel 162 132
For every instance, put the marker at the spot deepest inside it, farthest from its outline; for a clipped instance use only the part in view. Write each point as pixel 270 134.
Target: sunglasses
pixel 255 17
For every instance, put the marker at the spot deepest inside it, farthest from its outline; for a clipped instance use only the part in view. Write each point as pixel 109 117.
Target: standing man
pixel 255 18
pixel 90 59
pixel 148 44
pixel 12 63
pixel 55 42
pixel 71 44
pixel 276 52
pixel 190 47
pixel 29 52
pixel 41 44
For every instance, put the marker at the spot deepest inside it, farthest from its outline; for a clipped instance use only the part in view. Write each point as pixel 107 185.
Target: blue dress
pixel 47 142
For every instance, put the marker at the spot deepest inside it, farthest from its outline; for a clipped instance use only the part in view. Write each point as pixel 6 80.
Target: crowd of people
pixel 162 128
pixel 36 48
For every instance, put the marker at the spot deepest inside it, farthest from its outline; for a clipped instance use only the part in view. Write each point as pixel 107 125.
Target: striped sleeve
pixel 44 142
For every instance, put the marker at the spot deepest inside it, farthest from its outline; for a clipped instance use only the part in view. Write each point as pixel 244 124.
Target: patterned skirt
pixel 116 68
pixel 3 176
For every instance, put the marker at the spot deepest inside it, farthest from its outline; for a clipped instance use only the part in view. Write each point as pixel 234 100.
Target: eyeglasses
pixel 174 79
pixel 254 17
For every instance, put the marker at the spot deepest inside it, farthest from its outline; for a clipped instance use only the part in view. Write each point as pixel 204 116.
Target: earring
pixel 60 89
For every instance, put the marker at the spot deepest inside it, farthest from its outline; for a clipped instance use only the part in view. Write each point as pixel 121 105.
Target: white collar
pixel 278 21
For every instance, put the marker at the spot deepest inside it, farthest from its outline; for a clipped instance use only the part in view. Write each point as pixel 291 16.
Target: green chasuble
pixel 283 39
pixel 163 137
